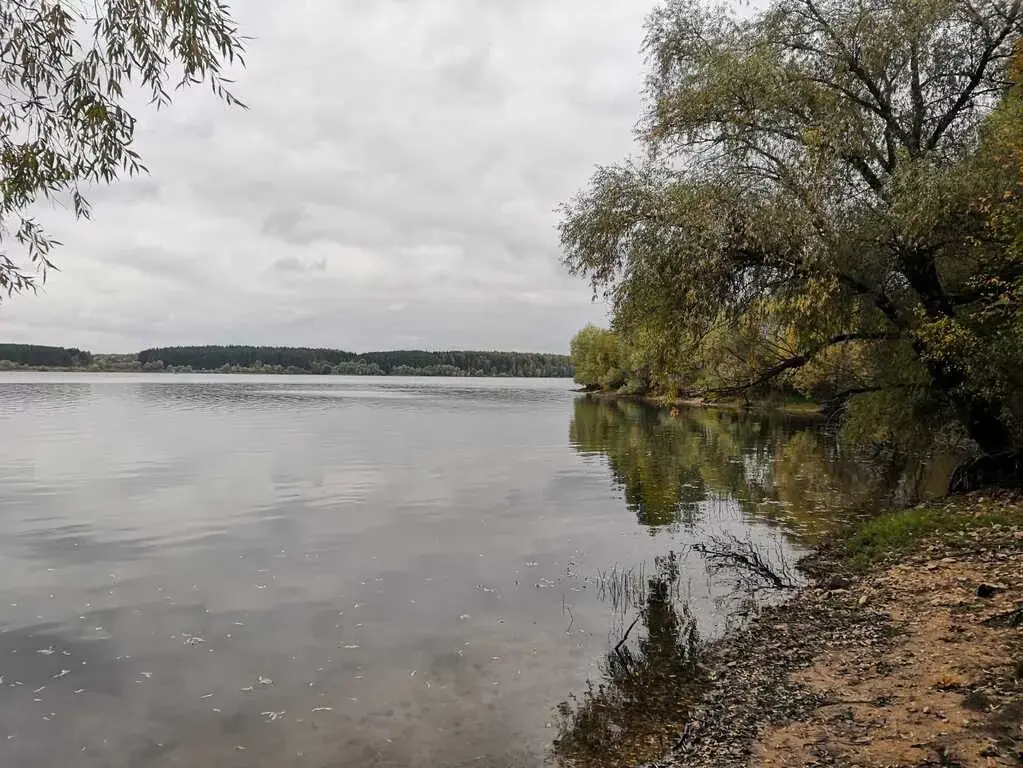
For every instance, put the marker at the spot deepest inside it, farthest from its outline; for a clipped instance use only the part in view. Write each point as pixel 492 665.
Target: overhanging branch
pixel 794 362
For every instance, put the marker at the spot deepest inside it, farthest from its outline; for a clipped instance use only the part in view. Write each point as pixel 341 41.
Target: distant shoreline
pixel 264 372
pixel 289 360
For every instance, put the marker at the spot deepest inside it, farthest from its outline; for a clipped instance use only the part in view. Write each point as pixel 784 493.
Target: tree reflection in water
pixel 641 700
pixel 681 471
pixel 775 466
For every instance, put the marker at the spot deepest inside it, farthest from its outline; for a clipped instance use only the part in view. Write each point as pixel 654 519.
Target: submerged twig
pixel 625 637
pixel 754 569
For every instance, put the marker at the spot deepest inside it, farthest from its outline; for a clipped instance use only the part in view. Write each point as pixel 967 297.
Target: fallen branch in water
pixel 625 637
pixel 752 565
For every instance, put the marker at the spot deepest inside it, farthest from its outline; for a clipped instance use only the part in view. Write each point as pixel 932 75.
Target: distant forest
pixel 243 359
pixel 50 357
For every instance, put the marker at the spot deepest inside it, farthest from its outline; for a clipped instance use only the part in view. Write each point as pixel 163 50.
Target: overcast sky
pixel 392 185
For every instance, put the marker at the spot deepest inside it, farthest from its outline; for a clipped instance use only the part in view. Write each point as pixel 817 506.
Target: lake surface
pixel 277 571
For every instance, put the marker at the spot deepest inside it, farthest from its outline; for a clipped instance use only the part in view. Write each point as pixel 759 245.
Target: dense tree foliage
pixel 208 358
pixel 65 68
pixel 598 357
pixel 334 361
pixel 830 203
pixel 524 364
pixel 357 368
pixel 241 359
pixel 53 357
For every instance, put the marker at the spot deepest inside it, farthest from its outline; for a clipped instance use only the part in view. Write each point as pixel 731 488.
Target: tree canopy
pixel 208 358
pixel 485 363
pixel 597 357
pixel 65 69
pixel 830 200
pixel 33 354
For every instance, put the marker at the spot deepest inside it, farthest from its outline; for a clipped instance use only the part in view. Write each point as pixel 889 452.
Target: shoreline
pixel 796 408
pixel 904 648
pixel 255 372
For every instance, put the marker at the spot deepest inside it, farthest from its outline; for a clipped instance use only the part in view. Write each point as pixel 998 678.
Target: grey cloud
pixel 127 191
pixel 293 264
pixel 285 224
pixel 159 263
pixel 395 178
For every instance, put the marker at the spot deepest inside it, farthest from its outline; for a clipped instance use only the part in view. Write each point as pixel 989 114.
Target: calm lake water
pixel 277 571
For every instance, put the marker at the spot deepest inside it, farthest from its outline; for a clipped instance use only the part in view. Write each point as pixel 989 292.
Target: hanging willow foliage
pixel 64 70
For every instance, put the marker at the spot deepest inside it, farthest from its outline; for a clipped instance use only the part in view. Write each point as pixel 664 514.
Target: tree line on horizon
pixel 295 360
pixel 828 204
pixel 48 357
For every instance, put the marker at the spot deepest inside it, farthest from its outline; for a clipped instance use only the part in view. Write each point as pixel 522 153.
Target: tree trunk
pixel 978 415
pixel 1001 460
pixel 922 273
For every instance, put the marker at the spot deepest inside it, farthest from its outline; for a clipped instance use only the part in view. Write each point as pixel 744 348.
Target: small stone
pixel 987 591
pixel 977 702
pixel 864 599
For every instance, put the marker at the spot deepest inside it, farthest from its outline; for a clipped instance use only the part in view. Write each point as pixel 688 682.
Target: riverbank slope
pixel 906 649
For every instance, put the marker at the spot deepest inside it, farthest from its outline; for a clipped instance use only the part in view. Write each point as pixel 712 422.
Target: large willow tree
pixel 65 68
pixel 826 181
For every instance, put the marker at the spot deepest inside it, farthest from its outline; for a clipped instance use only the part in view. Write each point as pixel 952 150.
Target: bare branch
pixel 976 77
pixel 748 562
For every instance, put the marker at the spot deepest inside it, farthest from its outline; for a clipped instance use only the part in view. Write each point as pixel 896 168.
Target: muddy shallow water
pixel 250 571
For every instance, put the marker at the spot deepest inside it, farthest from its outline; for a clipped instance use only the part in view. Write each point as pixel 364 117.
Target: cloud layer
pixel 393 184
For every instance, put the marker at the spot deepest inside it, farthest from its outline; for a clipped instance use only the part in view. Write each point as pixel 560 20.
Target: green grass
pixel 897 532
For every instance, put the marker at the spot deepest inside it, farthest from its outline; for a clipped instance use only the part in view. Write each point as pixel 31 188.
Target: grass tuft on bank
pixel 897 532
